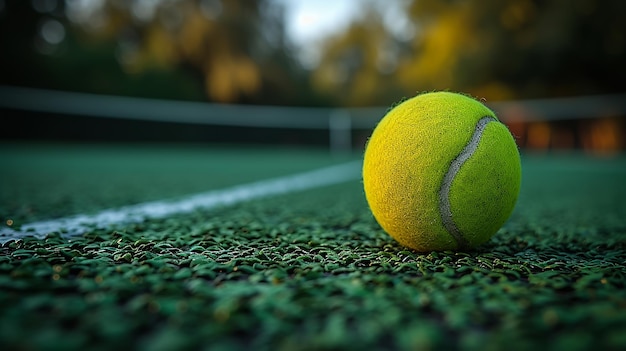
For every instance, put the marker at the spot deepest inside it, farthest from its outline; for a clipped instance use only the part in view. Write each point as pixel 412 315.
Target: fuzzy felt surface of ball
pixel 441 172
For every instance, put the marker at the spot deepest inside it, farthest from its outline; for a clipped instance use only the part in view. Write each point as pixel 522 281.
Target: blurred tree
pixel 234 51
pixel 45 46
pixel 358 65
pixel 237 51
pixel 491 48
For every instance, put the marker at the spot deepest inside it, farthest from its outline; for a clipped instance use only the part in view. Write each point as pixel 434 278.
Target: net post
pixel 340 131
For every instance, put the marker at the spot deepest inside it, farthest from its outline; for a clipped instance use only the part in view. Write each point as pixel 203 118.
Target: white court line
pixel 79 224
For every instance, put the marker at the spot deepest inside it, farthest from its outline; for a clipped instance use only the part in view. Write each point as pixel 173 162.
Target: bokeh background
pixel 369 54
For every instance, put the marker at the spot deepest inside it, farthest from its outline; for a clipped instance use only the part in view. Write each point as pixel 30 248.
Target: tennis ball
pixel 440 172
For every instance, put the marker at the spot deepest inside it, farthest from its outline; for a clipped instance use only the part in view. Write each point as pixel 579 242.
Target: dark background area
pixel 239 52
pixel 60 127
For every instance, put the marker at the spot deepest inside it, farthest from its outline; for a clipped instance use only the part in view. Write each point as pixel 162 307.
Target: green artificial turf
pixel 43 181
pixel 313 270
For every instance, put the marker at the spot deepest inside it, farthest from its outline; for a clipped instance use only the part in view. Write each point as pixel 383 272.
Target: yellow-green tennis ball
pixel 440 172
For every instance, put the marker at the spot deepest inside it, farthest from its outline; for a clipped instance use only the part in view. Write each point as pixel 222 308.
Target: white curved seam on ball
pixel 455 166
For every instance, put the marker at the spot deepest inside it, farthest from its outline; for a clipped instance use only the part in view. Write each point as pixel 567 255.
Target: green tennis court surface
pixel 307 270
